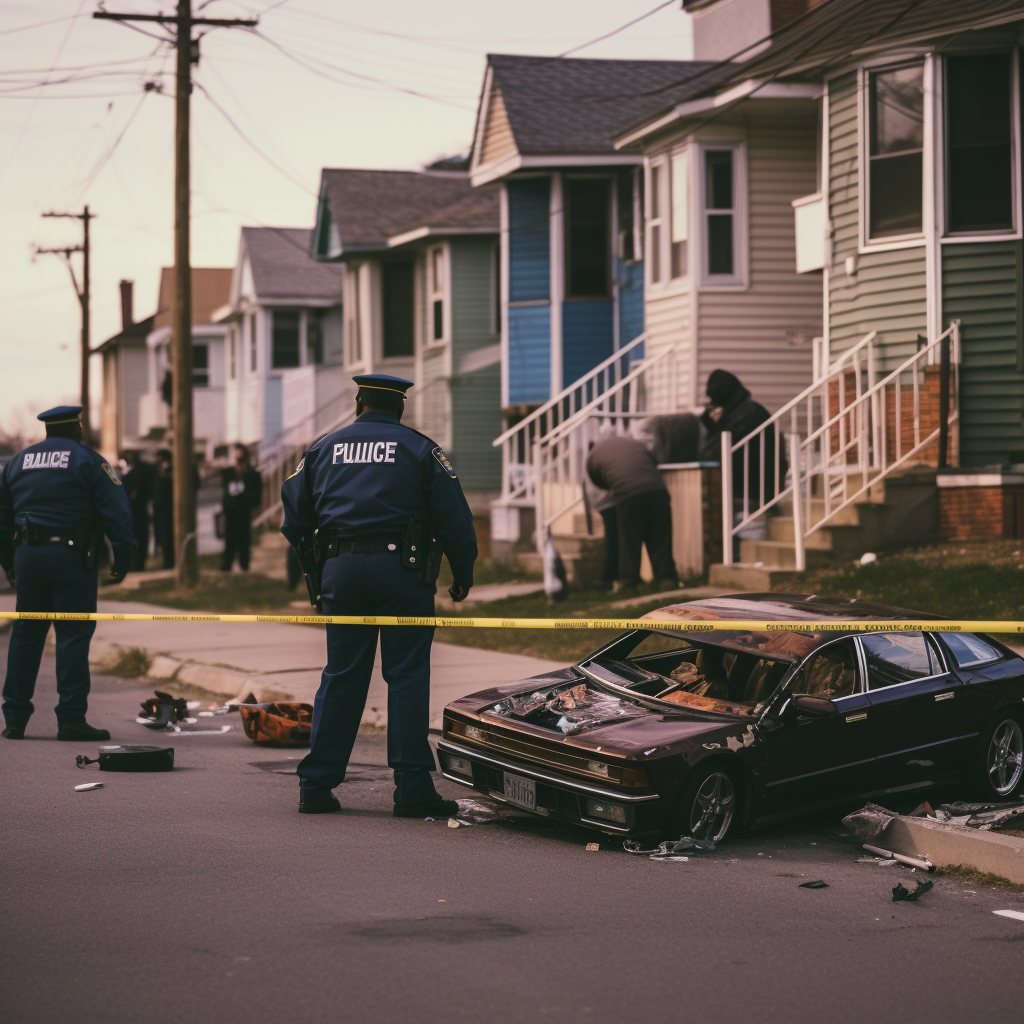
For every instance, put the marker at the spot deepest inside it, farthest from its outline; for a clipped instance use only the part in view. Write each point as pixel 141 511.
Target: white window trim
pixel 739 279
pixel 664 221
pixel 444 294
pixel 999 234
pixel 917 238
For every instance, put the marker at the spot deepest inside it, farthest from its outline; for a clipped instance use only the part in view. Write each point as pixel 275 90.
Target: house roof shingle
pixel 211 289
pixel 369 207
pixel 574 106
pixel 479 212
pixel 283 268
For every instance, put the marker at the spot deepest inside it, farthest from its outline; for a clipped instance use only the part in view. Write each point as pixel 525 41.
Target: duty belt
pixel 33 533
pixel 334 542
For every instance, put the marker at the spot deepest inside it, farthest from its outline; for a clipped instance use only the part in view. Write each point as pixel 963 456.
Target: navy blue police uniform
pixel 359 488
pixel 57 498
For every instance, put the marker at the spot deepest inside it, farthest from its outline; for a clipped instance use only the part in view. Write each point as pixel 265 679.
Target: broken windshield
pixel 692 673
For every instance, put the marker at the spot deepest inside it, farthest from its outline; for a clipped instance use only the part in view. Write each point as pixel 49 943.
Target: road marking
pixel 1015 914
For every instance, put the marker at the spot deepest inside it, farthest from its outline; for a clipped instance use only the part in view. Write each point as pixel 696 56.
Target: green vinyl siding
pixel 475 396
pixel 979 288
pixel 887 293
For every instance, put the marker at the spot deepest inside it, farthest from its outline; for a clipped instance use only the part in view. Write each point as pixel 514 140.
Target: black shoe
pixel 434 809
pixel 14 732
pixel 313 801
pixel 81 731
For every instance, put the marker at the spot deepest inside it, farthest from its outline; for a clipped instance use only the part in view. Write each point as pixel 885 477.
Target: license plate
pixel 520 791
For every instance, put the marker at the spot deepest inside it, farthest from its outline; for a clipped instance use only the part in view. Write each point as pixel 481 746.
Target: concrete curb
pixel 949 845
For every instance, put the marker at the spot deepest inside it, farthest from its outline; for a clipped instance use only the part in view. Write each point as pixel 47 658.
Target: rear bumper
pixel 558 796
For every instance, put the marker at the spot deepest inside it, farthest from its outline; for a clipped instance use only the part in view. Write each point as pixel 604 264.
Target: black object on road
pixel 164 710
pixel 131 759
pixel 900 893
pixel 817 884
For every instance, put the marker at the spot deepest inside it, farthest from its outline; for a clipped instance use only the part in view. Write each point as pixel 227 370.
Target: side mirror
pixel 814 707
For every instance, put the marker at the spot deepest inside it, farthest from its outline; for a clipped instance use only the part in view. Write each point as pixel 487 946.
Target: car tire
pixel 708 807
pixel 999 758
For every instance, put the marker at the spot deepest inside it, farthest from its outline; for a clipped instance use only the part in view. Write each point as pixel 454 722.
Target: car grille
pixel 549 797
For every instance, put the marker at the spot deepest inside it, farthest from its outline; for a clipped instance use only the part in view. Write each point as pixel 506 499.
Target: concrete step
pixel 780 554
pixel 780 528
pixel 750 579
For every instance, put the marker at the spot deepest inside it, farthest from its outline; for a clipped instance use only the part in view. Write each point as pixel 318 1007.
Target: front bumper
pixel 558 796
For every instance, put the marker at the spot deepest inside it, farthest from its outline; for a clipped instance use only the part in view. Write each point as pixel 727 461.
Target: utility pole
pixel 82 294
pixel 187 562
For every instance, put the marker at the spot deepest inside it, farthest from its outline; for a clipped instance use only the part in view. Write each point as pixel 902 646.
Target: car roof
pixel 788 608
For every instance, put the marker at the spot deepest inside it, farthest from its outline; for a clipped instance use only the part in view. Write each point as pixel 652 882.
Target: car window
pixel 968 649
pixel 829 673
pixel 894 658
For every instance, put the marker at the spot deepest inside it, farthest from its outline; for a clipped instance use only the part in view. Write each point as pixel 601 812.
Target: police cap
pixel 61 414
pixel 383 382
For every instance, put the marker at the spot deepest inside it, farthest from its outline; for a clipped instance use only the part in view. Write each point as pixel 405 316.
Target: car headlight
pixel 460 766
pixel 606 811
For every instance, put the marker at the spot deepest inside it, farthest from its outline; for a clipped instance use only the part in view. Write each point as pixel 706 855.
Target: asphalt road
pixel 202 896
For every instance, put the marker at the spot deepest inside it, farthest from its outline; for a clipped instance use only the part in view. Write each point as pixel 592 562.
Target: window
pixel 719 205
pixel 437 293
pixel 830 673
pixel 979 143
pixel 969 650
pixel 895 658
pixel 587 238
pixel 252 342
pixel 200 366
pixel 285 342
pixel 398 309
pixel 315 337
pixel 655 223
pixel 895 151
pixel 680 213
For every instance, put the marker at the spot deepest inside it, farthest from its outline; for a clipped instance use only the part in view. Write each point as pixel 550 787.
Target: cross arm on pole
pixel 171 19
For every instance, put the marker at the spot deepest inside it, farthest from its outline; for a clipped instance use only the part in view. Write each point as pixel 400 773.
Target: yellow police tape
pixel 675 625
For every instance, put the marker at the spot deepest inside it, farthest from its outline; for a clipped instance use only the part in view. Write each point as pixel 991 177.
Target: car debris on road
pixel 901 894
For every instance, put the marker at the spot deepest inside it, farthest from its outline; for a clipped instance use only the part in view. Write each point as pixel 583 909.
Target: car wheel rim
pixel 713 807
pixel 1006 757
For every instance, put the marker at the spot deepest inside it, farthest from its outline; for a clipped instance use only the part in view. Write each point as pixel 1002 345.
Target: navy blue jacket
pixel 368 478
pixel 58 483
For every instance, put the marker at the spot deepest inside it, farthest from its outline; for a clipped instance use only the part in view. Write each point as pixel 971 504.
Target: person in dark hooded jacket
pixel 731 408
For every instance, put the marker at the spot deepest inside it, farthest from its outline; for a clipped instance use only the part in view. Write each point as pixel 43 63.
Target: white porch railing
pixel 518 443
pixel 846 432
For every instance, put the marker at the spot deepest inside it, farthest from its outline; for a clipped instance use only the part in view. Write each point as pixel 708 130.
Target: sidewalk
pixel 280 661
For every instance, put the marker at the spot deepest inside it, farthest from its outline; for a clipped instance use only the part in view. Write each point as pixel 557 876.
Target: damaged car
pixel 701 733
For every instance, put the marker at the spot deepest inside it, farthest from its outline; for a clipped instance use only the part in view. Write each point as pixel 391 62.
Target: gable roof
pixel 282 266
pixel 134 333
pixel 211 289
pixel 478 213
pixel 549 107
pixel 360 210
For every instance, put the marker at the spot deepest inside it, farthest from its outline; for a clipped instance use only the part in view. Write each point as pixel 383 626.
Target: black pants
pixel 237 539
pixel 163 533
pixel 51 578
pixel 610 573
pixel 140 527
pixel 645 519
pixel 374 584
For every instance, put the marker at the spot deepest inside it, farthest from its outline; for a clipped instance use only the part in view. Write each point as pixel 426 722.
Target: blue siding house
pixel 571 210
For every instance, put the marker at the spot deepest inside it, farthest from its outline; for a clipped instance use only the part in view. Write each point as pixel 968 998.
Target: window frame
pixel 862 677
pixel 946 235
pixel 300 339
pixel 738 280
pixel 610 241
pixel 950 655
pixel 929 639
pixel 435 293
pixel 659 253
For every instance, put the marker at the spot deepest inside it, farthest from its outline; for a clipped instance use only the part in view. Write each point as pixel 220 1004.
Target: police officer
pixel 372 495
pixel 57 499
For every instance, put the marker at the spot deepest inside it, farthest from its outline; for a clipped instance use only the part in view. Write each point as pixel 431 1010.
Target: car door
pixel 813 761
pixel 915 709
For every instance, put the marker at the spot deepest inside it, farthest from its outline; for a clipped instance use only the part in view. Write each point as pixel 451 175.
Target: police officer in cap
pixel 369 509
pixel 57 500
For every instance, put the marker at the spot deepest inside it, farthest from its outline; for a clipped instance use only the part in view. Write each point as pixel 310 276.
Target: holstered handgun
pixel 421 550
pixel 89 540
pixel 311 560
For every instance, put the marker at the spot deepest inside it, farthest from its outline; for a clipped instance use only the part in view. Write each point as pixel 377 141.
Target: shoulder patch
pixel 443 461
pixel 298 468
pixel 111 473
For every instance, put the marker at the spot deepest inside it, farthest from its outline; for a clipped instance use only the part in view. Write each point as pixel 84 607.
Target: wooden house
pixel 420 250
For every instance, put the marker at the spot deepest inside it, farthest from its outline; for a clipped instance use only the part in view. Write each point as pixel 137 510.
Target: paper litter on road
pixel 178 731
pixel 1015 914
pixel 452 823
pixel 86 786
pixel 673 849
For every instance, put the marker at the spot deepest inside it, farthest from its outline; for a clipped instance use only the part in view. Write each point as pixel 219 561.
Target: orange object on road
pixel 279 724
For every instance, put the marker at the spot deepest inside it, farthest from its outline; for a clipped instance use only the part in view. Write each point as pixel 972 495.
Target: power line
pixel 621 28
pixel 39 24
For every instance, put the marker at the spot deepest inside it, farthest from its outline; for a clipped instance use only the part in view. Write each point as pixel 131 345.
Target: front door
pixel 915 710
pixel 819 760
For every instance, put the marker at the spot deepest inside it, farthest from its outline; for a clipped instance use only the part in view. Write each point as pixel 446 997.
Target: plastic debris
pixel 816 884
pixel 86 786
pixel 473 812
pixel 900 893
pixel 982 816
pixel 593 846
pixel 916 863
pixel 178 731
pixel 280 724
pixel 869 822
pixel 570 707
pixel 672 849
pixel 882 862
pixel 452 823
pixel 868 557
pixel 162 710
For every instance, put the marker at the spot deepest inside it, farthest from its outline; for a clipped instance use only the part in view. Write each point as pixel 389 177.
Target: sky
pixel 319 83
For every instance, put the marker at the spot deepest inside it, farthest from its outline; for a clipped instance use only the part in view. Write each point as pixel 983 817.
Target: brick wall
pixel 981 513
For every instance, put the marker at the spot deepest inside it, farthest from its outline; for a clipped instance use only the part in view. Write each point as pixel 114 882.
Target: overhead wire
pixel 39 24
